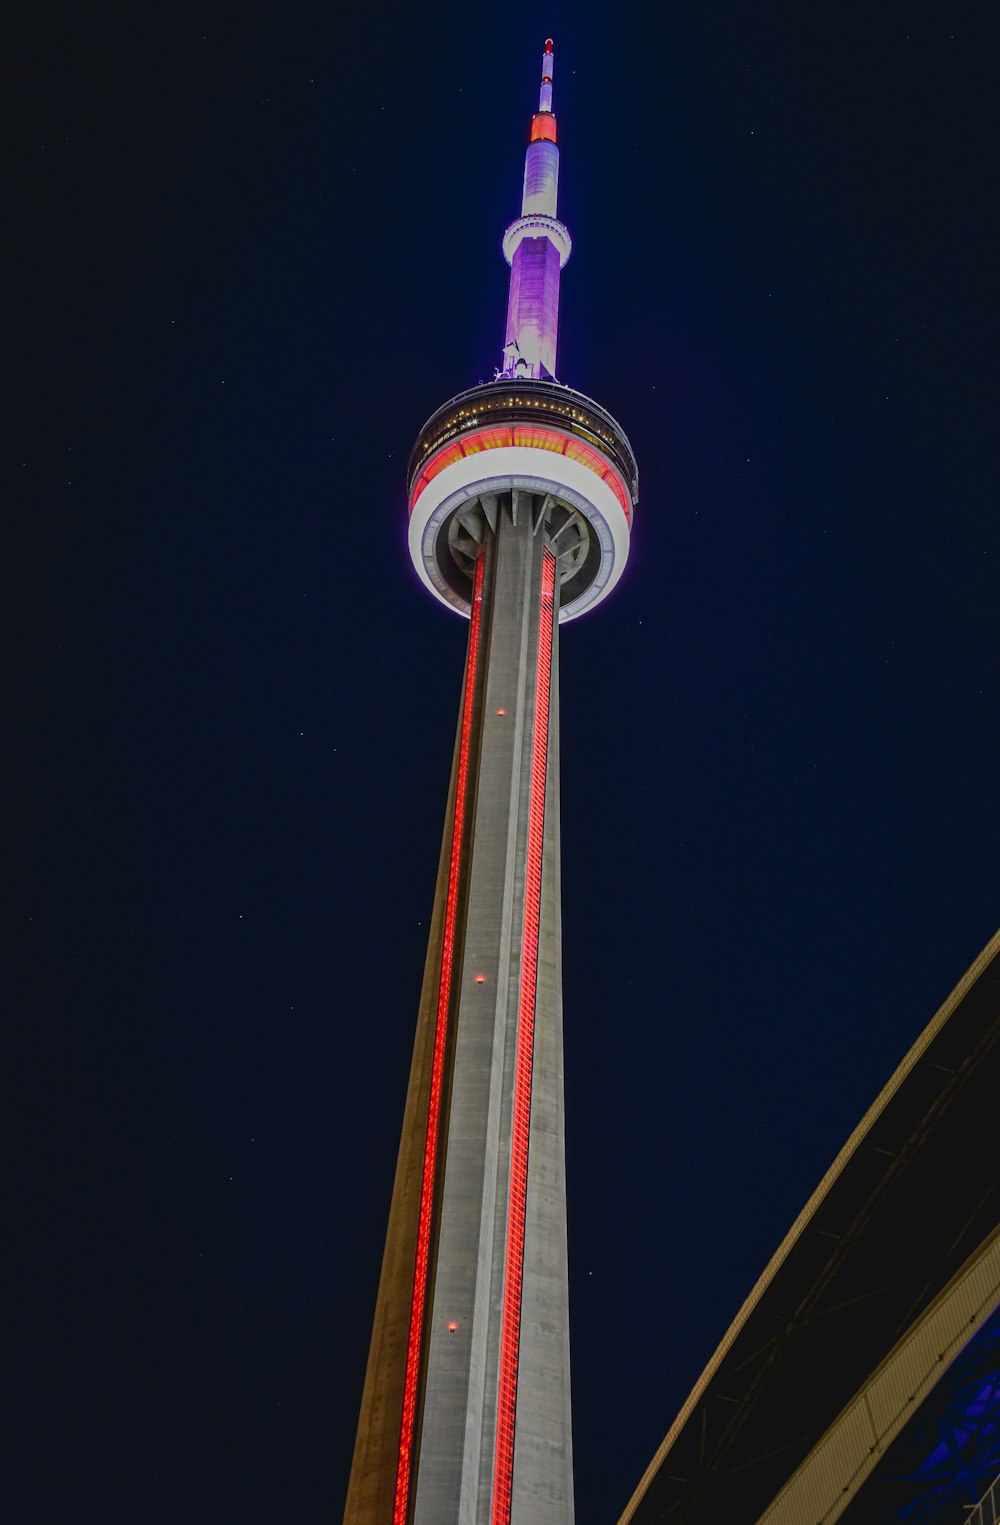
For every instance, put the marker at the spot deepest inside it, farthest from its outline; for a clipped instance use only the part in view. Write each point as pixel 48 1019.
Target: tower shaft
pixel 521 495
pixel 466 1412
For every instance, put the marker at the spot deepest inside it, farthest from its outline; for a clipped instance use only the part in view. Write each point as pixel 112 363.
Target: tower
pixel 521 496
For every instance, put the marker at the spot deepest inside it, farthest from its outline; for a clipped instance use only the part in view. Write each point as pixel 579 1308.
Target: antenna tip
pixel 548 44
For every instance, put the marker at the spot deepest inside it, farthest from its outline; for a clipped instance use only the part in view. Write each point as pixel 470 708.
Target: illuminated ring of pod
pixel 532 435
pixel 537 225
pixel 531 470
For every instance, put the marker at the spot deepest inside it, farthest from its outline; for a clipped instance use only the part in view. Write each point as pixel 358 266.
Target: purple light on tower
pixel 536 247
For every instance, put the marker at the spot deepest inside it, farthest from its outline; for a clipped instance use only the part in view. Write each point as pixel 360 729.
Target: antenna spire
pixel 536 247
pixel 545 93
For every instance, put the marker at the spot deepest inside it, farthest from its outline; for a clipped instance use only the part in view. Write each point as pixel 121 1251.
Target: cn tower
pixel 521 497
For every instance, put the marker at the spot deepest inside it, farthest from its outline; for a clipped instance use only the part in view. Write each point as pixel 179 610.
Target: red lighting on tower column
pixel 510 1330
pixel 415 1337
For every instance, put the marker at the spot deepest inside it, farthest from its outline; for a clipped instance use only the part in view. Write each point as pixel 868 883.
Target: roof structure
pixel 879 1286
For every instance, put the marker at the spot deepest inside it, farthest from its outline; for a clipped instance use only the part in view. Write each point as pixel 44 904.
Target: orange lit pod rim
pixel 536 438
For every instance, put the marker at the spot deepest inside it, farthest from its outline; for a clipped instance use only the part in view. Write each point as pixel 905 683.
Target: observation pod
pixel 534 448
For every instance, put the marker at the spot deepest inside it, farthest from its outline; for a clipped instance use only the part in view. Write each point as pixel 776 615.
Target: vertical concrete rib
pixel 542 1489
pixel 372 1487
pixel 515 1250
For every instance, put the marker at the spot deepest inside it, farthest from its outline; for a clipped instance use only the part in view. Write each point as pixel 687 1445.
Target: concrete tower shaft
pixel 472 1348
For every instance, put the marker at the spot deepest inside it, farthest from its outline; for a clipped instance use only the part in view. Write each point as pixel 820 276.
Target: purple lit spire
pixel 536 247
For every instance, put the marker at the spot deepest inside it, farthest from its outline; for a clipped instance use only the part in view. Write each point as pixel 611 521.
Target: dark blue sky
pixel 257 250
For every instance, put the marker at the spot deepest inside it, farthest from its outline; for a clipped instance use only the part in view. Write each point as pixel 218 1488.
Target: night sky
pixel 255 249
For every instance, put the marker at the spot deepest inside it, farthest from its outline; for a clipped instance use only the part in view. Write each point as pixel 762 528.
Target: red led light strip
pixel 510 1325
pixel 415 1338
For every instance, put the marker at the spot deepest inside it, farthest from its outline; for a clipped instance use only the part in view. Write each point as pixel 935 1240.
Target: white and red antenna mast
pixel 536 247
